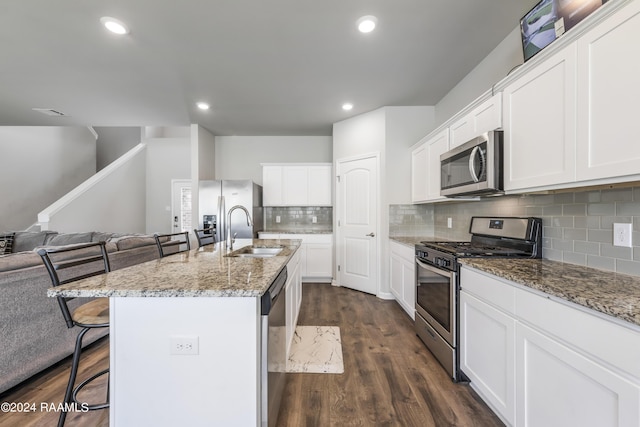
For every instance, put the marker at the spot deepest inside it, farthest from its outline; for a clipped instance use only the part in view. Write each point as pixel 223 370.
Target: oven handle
pixel 450 274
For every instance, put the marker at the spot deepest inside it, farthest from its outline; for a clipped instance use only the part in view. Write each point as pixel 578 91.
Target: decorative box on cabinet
pixel 296 185
pixel 483 118
pixel 402 272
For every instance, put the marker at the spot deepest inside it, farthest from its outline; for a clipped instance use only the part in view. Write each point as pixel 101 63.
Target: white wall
pixel 167 159
pixel 359 135
pixel 113 142
pixel 39 165
pixel 404 127
pixel 239 157
pixel 492 69
pixel 114 201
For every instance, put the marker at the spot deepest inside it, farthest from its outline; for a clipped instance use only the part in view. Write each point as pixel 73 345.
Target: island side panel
pixel 219 386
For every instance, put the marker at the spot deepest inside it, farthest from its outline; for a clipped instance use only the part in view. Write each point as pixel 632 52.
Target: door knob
pixel 371 235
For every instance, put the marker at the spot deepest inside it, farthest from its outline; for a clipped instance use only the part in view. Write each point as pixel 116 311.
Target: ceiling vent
pixel 50 112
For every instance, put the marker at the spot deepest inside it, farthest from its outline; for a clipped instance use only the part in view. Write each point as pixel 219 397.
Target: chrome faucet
pixel 231 239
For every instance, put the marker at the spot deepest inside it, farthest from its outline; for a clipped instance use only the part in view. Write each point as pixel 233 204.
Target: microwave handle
pixel 472 157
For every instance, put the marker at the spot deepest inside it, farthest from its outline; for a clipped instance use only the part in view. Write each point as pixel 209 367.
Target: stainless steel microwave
pixel 473 168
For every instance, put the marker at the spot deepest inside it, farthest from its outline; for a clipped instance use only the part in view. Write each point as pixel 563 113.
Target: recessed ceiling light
pixel 347 106
pixel 114 25
pixel 202 105
pixel 366 24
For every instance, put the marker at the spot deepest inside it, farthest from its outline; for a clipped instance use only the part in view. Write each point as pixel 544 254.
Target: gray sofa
pixel 33 334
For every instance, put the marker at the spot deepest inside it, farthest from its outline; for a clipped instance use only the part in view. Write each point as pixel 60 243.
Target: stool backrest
pixel 173 243
pixel 71 263
pixel 205 236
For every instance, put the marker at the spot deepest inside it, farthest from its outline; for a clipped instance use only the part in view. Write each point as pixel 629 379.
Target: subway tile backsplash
pixel 577 226
pixel 298 218
pixel 411 220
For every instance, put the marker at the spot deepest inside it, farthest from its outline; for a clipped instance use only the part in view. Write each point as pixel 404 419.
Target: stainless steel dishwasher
pixel 273 348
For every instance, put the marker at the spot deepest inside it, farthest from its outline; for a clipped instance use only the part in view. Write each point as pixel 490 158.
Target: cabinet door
pixel 419 174
pixel 485 117
pixel 294 185
pixel 272 185
pixel 487 353
pixel 319 185
pixel 539 124
pixel 436 146
pixel 319 256
pixel 557 386
pixel 608 91
pixel 396 277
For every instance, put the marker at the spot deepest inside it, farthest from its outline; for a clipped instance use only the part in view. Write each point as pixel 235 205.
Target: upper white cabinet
pixel 539 124
pixel 296 184
pixel 425 167
pixel 608 94
pixel 483 118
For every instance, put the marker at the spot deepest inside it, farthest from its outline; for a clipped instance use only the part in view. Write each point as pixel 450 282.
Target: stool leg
pixel 72 377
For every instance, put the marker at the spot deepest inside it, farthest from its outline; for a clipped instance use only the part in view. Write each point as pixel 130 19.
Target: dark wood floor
pixel 390 378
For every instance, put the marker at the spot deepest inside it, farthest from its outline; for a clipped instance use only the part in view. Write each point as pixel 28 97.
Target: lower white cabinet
pixel 316 255
pixel 487 353
pixel 540 362
pixel 294 298
pixel 402 272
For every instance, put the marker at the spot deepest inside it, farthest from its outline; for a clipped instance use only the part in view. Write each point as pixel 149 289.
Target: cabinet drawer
pixel 607 340
pixel 488 289
pixel 403 251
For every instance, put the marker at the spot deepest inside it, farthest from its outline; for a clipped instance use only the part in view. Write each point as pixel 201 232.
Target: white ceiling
pixel 267 67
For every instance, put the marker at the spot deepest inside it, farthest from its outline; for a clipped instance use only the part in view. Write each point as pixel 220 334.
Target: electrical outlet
pixel 622 235
pixel 184 345
pixel 449 222
pixel 314 219
pixel 278 219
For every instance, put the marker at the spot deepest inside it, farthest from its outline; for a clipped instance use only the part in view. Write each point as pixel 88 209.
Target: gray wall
pixel 239 157
pixel 113 142
pixel 39 165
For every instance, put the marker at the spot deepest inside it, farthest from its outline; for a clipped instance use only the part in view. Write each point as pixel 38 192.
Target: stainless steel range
pixel 437 273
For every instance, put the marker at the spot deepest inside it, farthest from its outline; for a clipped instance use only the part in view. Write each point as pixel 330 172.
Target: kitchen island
pixel 185 335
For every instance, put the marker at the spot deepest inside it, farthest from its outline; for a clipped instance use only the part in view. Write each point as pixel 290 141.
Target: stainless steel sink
pixel 256 252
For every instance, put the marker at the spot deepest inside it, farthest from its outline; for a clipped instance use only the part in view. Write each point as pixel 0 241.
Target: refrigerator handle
pixel 222 228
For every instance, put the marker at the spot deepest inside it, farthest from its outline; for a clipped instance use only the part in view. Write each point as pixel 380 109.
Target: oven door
pixel 436 299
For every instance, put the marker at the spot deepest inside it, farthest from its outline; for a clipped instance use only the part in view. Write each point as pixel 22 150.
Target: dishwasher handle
pixel 268 299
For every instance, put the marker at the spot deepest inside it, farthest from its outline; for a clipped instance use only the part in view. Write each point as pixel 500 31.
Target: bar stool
pixel 205 236
pixel 66 265
pixel 173 243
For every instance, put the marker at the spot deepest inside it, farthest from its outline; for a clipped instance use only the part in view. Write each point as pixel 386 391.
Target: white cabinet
pixel 425 167
pixel 487 345
pixel 483 118
pixel 293 297
pixel 558 386
pixel 316 255
pixel 540 362
pixel 419 174
pixel 402 273
pixel 608 91
pixel 539 124
pixel 296 184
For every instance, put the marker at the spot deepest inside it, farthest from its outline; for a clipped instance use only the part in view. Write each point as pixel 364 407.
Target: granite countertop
pixel 614 294
pixel 297 231
pixel 411 240
pixel 202 272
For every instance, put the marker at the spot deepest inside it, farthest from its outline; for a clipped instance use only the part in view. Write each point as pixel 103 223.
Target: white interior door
pixel 181 205
pixel 357 217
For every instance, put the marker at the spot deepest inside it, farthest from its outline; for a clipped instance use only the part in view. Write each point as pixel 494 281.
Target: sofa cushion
pixel 6 243
pixel 27 240
pixel 64 239
pixel 99 236
pixel 19 260
pixel 130 242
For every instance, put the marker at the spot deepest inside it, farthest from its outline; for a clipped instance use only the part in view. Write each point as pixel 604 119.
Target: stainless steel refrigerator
pixel 216 198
